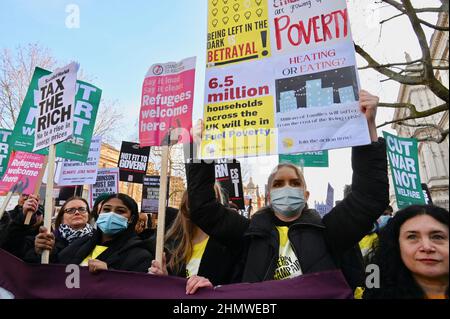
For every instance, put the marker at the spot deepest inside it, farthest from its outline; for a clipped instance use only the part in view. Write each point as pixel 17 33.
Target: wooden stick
pixel 162 205
pixel 37 188
pixel 49 198
pixel 5 203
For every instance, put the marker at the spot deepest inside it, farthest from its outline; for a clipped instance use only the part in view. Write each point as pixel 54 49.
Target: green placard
pixel 87 102
pixel 307 159
pixel 5 136
pixel 402 153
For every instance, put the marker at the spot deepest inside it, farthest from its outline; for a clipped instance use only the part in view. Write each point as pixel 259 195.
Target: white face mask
pixel 288 201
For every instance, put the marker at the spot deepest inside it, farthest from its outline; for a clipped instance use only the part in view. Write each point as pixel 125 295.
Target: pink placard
pixel 22 174
pixel 167 101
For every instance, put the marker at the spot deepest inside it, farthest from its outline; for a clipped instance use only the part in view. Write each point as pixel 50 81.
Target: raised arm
pixel 219 222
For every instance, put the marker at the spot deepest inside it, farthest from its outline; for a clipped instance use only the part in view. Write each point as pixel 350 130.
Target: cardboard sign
pixel 167 102
pixel 133 161
pixel 281 78
pixel 107 182
pixel 307 159
pixel 54 120
pixel 86 108
pixel 404 163
pixel 150 194
pixel 229 176
pixel 4 150
pixel 22 173
pixel 74 173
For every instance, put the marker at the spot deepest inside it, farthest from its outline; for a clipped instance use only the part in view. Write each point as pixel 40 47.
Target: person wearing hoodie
pixel 287 239
pixel 114 244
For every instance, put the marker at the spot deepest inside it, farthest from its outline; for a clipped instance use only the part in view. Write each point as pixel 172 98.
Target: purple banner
pixel 22 281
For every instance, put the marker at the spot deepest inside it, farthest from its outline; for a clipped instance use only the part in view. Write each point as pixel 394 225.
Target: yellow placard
pixel 239 128
pixel 237 31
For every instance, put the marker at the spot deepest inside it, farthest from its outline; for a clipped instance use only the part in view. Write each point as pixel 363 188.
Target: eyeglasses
pixel 72 211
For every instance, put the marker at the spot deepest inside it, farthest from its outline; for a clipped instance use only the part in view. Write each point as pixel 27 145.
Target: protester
pixel 248 206
pixel 412 255
pixel 114 244
pixel 192 254
pixel 71 223
pixel 17 238
pixel 287 239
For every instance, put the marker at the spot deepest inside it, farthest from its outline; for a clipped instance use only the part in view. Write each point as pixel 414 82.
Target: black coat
pixel 18 239
pixel 125 252
pixel 318 243
pixel 217 264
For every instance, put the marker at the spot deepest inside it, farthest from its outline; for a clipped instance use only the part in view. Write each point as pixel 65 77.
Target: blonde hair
pixel 280 166
pixel 182 231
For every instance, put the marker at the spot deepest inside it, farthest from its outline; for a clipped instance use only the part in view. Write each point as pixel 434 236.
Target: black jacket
pixel 318 243
pixel 125 252
pixel 217 263
pixel 18 239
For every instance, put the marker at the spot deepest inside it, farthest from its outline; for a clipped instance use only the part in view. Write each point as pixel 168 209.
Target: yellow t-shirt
pixel 94 254
pixel 288 265
pixel 367 243
pixel 193 265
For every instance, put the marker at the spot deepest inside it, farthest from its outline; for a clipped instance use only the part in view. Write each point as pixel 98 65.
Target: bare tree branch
pixel 108 122
pixel 408 80
pixel 434 85
pixel 443 133
pixel 414 114
pixel 16 71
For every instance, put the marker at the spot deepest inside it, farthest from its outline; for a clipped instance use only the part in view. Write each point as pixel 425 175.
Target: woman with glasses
pixel 114 244
pixel 71 224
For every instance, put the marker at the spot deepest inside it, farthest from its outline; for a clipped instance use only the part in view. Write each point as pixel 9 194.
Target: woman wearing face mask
pixel 412 255
pixel 287 239
pixel 114 245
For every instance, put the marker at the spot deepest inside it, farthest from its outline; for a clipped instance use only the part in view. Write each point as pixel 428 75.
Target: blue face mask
pixel 383 220
pixel 287 201
pixel 112 223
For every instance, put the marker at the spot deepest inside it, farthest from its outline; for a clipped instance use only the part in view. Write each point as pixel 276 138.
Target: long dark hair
pixel 59 217
pixel 396 280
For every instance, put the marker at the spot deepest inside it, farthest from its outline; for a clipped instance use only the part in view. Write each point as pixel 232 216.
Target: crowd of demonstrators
pixel 192 254
pixel 210 244
pixel 412 255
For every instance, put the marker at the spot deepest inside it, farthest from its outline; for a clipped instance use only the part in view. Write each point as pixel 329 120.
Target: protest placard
pixel 402 153
pixel 150 194
pixel 107 183
pixel 228 175
pixel 133 161
pixel 23 173
pixel 307 159
pixel 237 31
pixel 307 82
pixel 76 148
pixel 167 101
pixel 79 173
pixel 54 120
pixel 4 149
